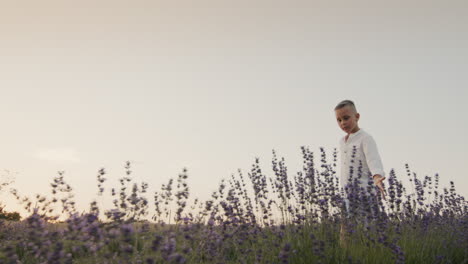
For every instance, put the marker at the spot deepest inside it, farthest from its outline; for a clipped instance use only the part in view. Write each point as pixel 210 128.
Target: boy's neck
pixel 352 132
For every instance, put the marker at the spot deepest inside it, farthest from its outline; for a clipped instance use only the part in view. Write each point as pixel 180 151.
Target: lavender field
pixel 260 216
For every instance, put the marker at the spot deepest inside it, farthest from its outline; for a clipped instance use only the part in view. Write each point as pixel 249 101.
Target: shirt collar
pixel 353 135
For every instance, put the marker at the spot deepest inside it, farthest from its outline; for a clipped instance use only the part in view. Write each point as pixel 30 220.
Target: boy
pixel 359 155
pixel 357 146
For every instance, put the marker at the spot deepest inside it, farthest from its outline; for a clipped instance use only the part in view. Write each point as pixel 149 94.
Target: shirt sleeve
pixel 372 156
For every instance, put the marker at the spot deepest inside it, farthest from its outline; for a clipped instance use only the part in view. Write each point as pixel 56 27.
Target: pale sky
pixel 210 85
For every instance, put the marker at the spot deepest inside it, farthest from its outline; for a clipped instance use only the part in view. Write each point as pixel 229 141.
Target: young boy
pixel 357 147
pixel 359 156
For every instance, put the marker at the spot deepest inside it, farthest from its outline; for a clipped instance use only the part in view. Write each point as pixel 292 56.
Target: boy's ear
pixel 358 116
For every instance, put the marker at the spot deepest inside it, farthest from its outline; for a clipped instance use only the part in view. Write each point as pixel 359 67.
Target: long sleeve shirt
pixel 360 148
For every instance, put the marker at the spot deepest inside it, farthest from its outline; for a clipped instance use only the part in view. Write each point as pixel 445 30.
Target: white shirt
pixel 365 151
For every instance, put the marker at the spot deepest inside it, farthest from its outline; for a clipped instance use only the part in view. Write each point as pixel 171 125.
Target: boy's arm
pixel 372 157
pixel 374 162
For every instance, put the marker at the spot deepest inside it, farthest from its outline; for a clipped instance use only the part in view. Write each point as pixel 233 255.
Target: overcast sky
pixel 210 85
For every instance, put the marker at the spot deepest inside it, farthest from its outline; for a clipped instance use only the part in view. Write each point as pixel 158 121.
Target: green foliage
pixel 9 216
pixel 5 180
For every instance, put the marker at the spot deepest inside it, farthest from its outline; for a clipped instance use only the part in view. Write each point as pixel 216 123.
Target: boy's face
pixel 347 119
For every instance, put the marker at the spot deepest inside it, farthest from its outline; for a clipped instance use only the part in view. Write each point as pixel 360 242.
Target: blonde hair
pixel 346 103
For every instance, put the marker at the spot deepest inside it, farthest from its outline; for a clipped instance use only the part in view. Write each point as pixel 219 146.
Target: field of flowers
pixel 250 218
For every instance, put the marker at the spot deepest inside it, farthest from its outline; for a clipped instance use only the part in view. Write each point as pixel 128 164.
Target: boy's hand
pixel 378 179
